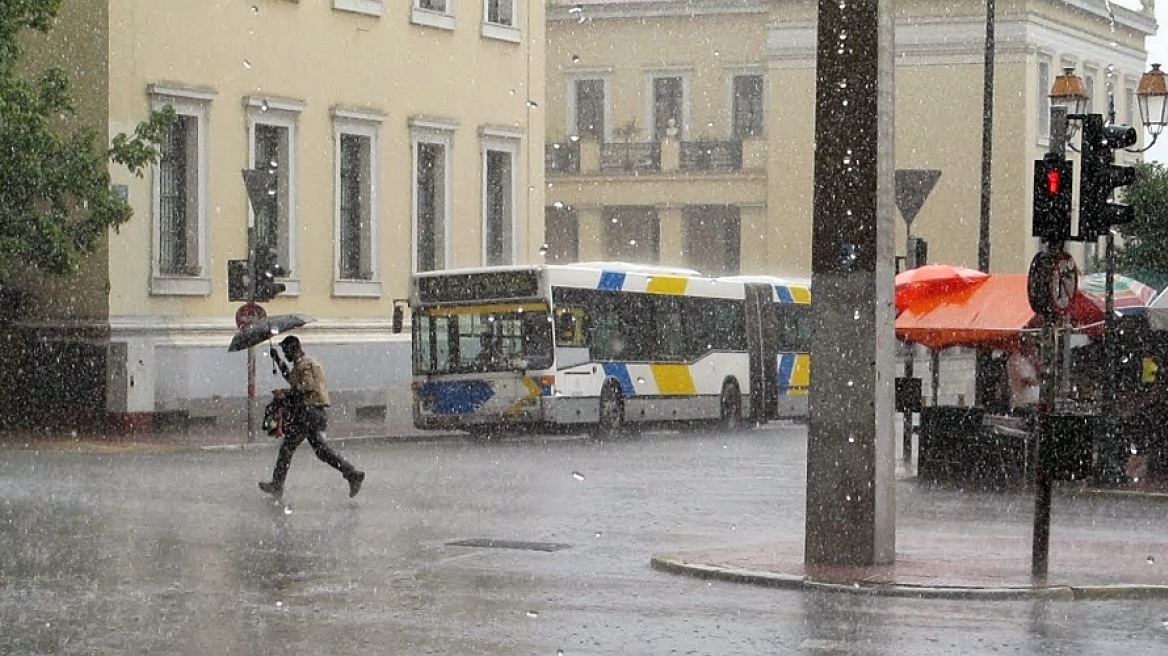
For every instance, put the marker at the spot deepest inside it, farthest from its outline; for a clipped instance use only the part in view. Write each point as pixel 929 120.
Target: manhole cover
pixel 492 543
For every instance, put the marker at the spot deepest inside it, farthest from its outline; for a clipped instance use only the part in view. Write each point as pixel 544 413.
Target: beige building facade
pixel 404 135
pixel 681 131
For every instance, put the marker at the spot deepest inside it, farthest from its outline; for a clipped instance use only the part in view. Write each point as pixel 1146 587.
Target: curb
pixel 1123 591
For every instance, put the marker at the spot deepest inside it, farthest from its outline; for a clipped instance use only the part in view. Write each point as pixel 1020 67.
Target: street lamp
pixel 1069 91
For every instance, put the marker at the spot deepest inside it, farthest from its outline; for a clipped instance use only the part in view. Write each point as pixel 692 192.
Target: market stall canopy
pixel 925 282
pixel 988 315
pixel 1129 296
pixel 1158 312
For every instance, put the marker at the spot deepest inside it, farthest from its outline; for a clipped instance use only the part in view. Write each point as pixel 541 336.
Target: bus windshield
pixel 482 338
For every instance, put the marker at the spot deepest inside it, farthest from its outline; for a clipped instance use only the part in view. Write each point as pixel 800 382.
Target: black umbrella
pixel 264 329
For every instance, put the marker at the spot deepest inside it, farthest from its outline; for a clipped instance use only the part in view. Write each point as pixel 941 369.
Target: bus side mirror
pixel 399 316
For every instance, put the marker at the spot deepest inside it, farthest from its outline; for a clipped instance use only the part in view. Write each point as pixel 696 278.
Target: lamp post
pixel 1152 98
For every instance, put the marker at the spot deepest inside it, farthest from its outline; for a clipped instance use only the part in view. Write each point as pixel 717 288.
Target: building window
pixel 632 234
pixel 748 106
pixel 1129 105
pixel 1044 85
pixel 353 207
pixel 590 109
pixel 500 12
pixel 500 168
pixel 500 20
pixel 273 126
pixel 179 190
pixel 667 105
pixel 713 237
pixel 355 133
pixel 1089 82
pixel 561 234
pixel 433 13
pixel 432 170
pixel 370 7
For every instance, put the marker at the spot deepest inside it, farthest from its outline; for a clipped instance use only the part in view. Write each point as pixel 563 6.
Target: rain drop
pixel 559 205
pixel 852 439
pixel 246 64
pixel 575 59
pixel 279 604
pixel 531 104
pixel 576 9
pixel 851 383
pixel 848 497
pixel 559 652
pixel 733 527
pixel 578 476
pixel 856 316
pixel 543 249
pixel 1151 560
pixel 574 138
pixel 287 510
pixel 532 613
pixel 255 9
pixel 264 105
pixel 632 242
pixel 598 534
pixel 640 381
pixel 511 92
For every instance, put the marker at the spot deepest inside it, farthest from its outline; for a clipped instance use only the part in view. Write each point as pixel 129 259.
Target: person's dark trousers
pixel 307 423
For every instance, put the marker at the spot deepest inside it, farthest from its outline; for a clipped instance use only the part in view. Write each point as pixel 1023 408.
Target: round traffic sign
pixel 1052 282
pixel 249 313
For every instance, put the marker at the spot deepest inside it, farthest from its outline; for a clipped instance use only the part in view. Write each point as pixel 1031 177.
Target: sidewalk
pixel 950 559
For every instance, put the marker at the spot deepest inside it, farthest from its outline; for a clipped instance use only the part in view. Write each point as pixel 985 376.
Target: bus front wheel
pixel 612 413
pixel 731 415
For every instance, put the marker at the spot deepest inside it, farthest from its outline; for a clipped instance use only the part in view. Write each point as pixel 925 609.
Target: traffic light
pixel 1101 176
pixel 1053 184
pixel 238 280
pixel 267 271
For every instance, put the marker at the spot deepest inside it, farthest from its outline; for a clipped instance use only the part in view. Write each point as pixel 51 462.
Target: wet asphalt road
pixel 179 553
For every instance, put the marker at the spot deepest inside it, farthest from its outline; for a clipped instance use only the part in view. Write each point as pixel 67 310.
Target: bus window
pixel 570 330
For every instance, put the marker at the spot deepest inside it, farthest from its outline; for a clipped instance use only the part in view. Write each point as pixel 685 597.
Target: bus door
pixel 759 299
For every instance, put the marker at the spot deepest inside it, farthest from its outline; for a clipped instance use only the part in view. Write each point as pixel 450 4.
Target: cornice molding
pixel 602 9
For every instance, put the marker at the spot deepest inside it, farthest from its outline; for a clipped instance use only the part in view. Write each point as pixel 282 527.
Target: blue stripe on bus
pixel 786 370
pixel 611 281
pixel 784 294
pixel 456 397
pixel 620 371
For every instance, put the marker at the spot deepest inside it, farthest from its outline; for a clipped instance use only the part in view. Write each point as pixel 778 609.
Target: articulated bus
pixel 599 346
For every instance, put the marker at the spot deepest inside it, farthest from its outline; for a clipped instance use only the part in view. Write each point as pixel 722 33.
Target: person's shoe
pixel 355 480
pixel 271 488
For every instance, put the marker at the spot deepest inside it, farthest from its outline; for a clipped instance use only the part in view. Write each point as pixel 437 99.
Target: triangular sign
pixel 913 186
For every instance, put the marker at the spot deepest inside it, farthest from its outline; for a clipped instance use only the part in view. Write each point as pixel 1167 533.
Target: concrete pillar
pixel 851 455
pixel 671 247
pixel 590 233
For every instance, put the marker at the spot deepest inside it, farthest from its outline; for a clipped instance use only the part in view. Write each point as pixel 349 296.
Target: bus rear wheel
pixel 731 415
pixel 611 421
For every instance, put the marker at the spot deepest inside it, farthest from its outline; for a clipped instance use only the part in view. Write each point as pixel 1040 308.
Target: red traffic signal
pixel 1053 188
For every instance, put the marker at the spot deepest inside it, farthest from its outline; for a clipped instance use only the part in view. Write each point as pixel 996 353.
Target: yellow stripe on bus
pixel 801 374
pixel 672 378
pixel 800 295
pixel 485 309
pixel 667 285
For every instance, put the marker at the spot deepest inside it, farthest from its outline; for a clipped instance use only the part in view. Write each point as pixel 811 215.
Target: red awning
pixel 989 314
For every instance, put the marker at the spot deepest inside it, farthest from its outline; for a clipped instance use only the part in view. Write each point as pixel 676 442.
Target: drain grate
pixel 492 543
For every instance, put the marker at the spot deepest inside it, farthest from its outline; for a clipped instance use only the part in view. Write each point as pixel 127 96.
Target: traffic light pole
pixel 251 355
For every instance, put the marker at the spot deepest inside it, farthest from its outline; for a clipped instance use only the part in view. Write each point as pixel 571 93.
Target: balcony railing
pixel 562 157
pixel 630 157
pixel 711 155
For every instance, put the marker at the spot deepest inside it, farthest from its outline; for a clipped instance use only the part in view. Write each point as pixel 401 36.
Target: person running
pixel 307 418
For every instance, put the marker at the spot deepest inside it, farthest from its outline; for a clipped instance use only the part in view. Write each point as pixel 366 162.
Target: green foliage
pixel 1144 245
pixel 56 201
